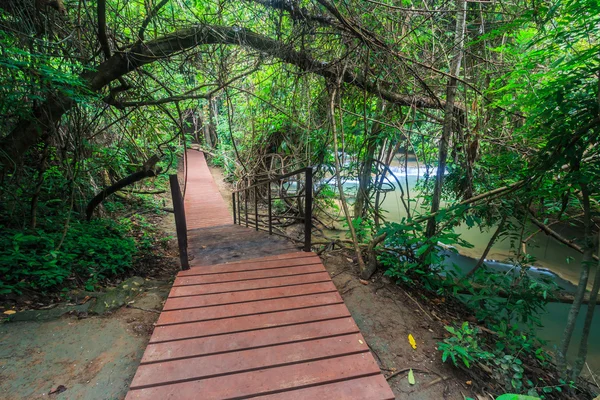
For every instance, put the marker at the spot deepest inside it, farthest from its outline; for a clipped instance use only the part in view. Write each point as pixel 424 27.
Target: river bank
pixel 549 258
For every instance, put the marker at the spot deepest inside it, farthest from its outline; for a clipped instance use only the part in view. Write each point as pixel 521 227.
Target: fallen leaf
pixel 10 312
pixel 411 377
pixel 363 281
pixel 349 259
pixel 85 299
pixel 412 341
pixel 469 382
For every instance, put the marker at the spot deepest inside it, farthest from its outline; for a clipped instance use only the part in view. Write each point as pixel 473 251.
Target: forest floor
pixel 87 345
pixel 386 315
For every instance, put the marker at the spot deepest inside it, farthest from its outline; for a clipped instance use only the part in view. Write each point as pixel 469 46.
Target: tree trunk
pixel 213 109
pixel 38 187
pixel 588 253
pixel 361 263
pixel 364 180
pixel 361 204
pixel 449 112
pixel 589 316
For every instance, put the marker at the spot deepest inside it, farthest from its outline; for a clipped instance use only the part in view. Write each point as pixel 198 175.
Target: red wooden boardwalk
pixel 271 327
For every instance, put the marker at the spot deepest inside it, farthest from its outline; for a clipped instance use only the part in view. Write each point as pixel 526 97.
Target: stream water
pixel 552 258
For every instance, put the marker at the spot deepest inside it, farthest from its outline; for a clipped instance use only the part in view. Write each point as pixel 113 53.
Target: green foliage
pixel 45 260
pixel 463 345
pixel 362 227
pixel 326 197
pixel 510 370
pixel 416 258
pixel 509 396
pixel 506 297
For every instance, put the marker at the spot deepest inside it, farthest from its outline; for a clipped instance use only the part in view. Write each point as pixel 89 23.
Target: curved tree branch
pixel 102 38
pixel 149 18
pixel 28 131
pixel 296 11
pixel 147 170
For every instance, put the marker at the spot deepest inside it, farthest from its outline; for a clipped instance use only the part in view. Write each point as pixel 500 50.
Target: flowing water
pixel 552 258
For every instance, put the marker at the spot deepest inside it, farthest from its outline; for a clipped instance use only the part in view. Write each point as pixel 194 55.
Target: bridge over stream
pixel 252 317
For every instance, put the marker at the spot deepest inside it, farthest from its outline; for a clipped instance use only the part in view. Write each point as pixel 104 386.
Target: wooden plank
pixel 249 266
pixel 248 275
pixel 248 285
pixel 204 205
pixel 370 387
pixel 247 340
pixel 257 307
pixel 247 360
pixel 264 382
pixel 247 323
pixel 266 321
pixel 179 303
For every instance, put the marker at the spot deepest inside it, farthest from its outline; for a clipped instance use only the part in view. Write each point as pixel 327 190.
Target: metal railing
pixel 180 224
pixel 256 194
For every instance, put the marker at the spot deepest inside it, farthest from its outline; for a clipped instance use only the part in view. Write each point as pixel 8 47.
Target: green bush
pixel 43 260
pixel 463 345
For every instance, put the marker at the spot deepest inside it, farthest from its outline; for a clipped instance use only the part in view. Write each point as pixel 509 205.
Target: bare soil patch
pixel 386 315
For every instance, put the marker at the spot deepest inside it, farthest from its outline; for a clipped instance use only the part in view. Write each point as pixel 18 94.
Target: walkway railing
pixel 289 189
pixel 180 223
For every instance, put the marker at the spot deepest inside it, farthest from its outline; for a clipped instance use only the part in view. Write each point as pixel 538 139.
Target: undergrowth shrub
pixel 45 260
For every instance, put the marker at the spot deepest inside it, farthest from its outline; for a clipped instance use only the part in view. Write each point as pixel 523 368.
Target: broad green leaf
pixel 411 377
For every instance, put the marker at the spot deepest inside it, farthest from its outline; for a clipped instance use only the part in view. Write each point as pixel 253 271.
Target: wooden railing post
pixel 233 203
pixel 246 193
pixel 255 209
pixel 238 209
pixel 308 189
pixel 180 224
pixel 270 208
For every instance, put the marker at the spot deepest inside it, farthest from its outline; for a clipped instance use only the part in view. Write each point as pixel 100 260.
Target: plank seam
pixel 349 378
pixel 254 313
pixel 250 279
pixel 247 290
pixel 262 259
pixel 248 270
pixel 199 378
pixel 251 330
pixel 248 348
pixel 250 301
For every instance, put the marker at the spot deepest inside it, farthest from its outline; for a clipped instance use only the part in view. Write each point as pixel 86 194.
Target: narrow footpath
pixel 253 317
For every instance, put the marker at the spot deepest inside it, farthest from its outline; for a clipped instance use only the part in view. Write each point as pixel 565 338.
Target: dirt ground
pixel 386 315
pixel 91 358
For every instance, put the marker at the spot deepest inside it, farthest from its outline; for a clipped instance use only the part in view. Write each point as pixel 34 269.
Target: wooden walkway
pixel 253 318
